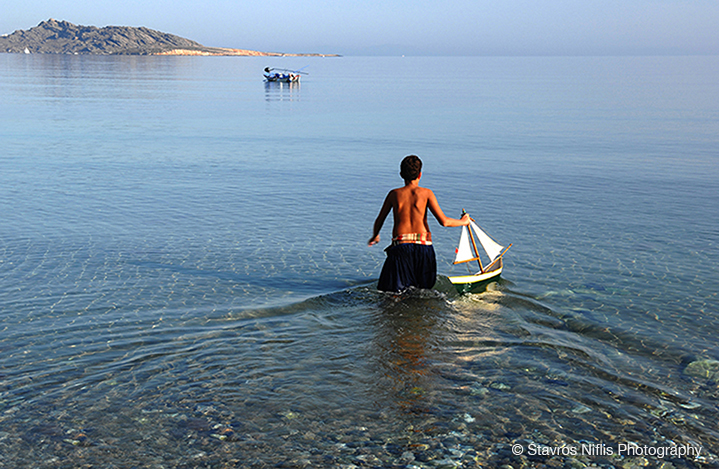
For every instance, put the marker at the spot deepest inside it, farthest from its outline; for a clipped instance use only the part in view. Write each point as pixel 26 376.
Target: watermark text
pixel 601 449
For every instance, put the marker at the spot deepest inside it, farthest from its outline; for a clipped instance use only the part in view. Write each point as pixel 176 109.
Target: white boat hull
pixel 465 283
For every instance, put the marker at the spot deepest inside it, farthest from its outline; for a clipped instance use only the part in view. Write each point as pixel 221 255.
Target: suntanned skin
pixel 409 205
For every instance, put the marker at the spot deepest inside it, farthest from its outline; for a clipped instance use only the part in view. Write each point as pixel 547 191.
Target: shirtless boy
pixel 410 259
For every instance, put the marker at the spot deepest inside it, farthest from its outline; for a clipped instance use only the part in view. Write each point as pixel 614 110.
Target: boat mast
pixel 476 253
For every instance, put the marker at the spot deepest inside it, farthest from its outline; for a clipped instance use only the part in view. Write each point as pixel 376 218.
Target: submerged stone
pixel 581 409
pixel 707 369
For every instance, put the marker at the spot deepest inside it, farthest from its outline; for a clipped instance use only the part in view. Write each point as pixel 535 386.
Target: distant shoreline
pixel 224 52
pixel 64 38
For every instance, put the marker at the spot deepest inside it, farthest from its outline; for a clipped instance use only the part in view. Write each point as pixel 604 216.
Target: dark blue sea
pixel 185 280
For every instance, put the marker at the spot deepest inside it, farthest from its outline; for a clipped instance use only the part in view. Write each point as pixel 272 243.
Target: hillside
pixel 62 37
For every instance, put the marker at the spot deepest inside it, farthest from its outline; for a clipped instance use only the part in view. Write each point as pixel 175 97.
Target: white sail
pixel 490 247
pixel 464 249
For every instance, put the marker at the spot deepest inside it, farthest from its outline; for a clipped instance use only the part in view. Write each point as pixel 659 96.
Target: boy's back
pixel 409 204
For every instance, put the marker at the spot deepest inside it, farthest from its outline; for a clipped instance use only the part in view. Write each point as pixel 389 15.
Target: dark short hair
pixel 410 167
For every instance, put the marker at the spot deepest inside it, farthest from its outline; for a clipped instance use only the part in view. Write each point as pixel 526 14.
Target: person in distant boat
pixel 410 259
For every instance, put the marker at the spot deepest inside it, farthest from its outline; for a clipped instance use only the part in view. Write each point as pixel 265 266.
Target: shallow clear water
pixel 185 282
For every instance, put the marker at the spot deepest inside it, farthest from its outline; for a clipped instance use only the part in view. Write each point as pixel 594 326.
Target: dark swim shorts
pixel 408 265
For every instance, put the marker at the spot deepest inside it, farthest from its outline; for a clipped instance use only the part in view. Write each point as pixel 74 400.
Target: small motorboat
pixel 282 75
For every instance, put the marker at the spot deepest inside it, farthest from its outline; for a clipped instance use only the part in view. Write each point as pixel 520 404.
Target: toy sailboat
pixel 467 252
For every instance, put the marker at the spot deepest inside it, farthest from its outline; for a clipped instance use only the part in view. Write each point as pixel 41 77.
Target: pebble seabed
pixel 461 417
pixel 212 436
pixel 488 411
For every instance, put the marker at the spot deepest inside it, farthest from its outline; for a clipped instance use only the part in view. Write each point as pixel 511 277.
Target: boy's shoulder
pixel 416 193
pixel 425 191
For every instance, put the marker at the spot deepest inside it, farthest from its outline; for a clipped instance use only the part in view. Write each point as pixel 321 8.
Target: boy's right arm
pixel 384 211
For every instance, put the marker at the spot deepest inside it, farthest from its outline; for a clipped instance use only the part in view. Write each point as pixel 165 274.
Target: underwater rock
pixel 581 409
pixel 500 386
pixel 635 463
pixel 224 434
pixel 707 369
pixel 78 439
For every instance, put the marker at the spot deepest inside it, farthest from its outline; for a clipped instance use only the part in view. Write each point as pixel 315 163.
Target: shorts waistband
pixel 413 238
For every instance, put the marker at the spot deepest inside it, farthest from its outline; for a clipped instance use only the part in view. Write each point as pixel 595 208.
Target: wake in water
pixel 365 378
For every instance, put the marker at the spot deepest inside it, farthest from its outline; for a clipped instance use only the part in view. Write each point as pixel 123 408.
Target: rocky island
pixel 62 37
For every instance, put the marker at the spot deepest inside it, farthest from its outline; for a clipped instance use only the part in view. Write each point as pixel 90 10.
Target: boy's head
pixel 410 168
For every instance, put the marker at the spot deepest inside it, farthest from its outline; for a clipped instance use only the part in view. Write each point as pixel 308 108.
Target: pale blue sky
pixel 419 27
